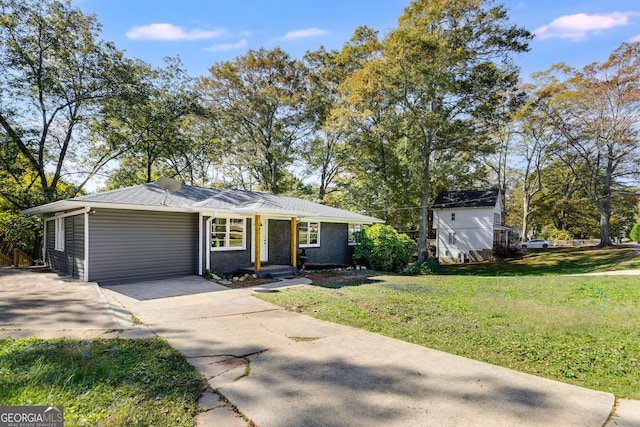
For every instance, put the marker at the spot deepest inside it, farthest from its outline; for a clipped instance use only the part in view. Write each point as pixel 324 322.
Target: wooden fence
pixel 20 259
pixel 5 260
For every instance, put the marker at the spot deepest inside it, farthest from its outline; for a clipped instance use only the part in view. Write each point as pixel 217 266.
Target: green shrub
pixel 634 235
pixel 423 268
pixel 19 231
pixel 552 233
pixel 380 247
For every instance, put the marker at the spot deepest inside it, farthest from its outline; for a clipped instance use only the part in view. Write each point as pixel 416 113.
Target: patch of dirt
pixel 344 277
pixel 247 283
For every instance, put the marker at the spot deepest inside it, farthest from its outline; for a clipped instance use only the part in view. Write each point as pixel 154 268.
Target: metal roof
pixel 479 198
pixel 198 199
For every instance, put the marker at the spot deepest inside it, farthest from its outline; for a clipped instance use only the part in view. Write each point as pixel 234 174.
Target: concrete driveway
pixel 284 369
pixel 38 303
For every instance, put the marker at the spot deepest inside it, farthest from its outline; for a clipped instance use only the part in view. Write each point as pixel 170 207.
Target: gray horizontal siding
pixel 69 262
pixel 127 246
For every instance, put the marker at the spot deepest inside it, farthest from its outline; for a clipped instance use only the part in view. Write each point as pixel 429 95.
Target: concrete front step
pixel 272 271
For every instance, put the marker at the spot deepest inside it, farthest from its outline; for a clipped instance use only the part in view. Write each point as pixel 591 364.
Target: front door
pixel 264 241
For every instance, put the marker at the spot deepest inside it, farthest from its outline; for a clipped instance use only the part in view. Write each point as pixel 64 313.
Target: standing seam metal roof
pixel 198 198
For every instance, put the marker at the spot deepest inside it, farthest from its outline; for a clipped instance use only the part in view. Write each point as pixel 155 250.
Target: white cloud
pixel 227 46
pixel 578 27
pixel 301 34
pixel 635 39
pixel 172 32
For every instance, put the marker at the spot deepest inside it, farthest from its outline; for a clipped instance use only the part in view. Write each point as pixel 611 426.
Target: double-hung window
pixel 309 235
pixel 59 234
pixel 228 234
pixel 452 238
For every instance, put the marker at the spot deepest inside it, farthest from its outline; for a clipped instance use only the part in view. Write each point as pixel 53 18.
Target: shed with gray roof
pixel 144 233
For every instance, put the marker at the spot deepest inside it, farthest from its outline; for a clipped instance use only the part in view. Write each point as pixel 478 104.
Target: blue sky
pixel 203 32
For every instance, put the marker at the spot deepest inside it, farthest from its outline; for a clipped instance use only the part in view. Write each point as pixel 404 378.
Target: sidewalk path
pixel 285 369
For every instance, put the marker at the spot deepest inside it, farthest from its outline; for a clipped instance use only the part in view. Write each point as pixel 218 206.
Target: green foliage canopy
pixel 55 73
pixel 635 233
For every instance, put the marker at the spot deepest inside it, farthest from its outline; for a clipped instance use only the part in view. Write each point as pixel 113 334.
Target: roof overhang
pixel 501 228
pixel 51 208
pixel 67 205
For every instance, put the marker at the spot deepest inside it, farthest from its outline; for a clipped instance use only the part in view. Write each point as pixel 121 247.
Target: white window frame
pixel 308 244
pixel 452 238
pixel 59 234
pixel 497 218
pixel 353 229
pixel 227 233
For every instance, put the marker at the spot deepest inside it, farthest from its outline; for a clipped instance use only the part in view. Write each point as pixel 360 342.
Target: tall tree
pixel 533 138
pixel 55 73
pixel 597 112
pixel 562 204
pixel 326 152
pixel 260 97
pixel 147 129
pixel 447 72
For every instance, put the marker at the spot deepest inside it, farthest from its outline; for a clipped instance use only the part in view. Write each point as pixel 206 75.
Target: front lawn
pixel 554 261
pixel 580 330
pixel 101 382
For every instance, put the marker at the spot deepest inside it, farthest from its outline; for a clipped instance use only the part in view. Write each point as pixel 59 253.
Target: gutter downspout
pixel 86 243
pixel 200 244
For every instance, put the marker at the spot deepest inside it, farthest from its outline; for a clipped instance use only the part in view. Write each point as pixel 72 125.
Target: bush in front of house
pixel 504 251
pixel 634 235
pixel 423 268
pixel 380 247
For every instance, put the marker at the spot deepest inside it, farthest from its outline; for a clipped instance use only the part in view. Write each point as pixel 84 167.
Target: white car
pixel 534 244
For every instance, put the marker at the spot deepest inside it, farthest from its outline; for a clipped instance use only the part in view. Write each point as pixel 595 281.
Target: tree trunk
pixel 525 217
pixel 423 228
pixel 605 239
pixel 36 250
pixel 273 172
pixel 605 216
pixel 605 208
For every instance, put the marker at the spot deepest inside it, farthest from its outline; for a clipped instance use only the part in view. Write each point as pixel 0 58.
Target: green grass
pixel 579 330
pixel 102 382
pixel 554 261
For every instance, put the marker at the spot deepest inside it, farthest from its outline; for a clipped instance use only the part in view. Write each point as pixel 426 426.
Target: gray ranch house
pixel 145 232
pixel 468 224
